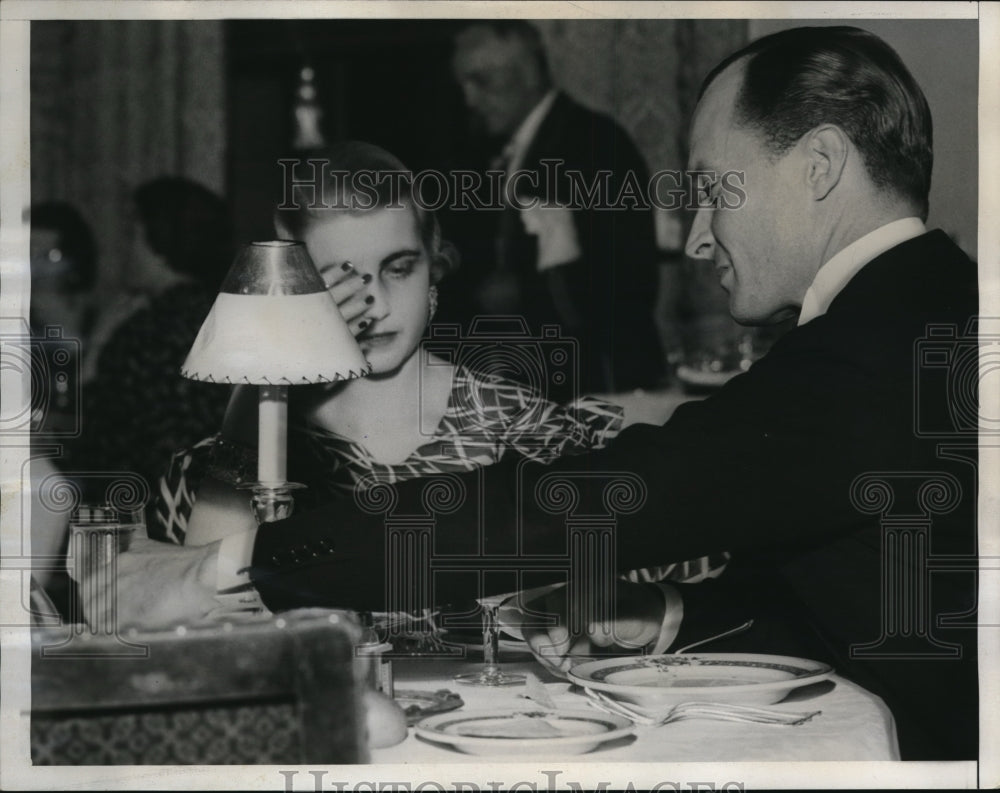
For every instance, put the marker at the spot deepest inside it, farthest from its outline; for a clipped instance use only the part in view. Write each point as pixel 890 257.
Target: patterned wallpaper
pixel 646 73
pixel 626 68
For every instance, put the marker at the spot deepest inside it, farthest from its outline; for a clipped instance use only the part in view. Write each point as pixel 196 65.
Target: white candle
pixel 272 447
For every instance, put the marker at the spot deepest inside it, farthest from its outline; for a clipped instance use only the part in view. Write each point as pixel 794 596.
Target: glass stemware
pixel 491 674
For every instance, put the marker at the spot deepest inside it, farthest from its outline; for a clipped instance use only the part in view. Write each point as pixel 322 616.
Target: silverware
pixel 699 710
pixel 535 690
pixel 731 632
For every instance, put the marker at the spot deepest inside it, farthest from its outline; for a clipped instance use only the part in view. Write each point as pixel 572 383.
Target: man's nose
pixel 700 241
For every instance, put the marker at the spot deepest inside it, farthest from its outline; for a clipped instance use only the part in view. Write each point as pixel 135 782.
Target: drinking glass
pixel 491 673
pixel 97 534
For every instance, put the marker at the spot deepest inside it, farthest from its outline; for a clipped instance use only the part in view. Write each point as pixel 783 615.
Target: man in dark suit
pixel 840 471
pixel 599 282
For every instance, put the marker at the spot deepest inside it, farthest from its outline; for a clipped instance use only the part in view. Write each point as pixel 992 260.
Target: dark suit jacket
pixel 865 413
pixel 604 299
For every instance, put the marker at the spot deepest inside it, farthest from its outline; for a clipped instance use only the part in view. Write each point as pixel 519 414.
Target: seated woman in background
pixel 415 414
pixel 137 409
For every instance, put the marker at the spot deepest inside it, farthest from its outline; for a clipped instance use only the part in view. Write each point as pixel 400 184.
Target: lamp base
pixel 271 502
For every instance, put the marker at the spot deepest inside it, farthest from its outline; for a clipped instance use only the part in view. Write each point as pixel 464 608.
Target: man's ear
pixel 826 149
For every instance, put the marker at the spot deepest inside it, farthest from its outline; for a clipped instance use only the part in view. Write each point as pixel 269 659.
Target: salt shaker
pixel 372 648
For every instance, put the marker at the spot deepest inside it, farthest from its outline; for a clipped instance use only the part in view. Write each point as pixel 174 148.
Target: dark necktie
pixel 506 228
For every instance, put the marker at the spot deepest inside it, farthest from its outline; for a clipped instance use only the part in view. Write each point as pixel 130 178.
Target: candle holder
pixel 271 502
pixel 274 325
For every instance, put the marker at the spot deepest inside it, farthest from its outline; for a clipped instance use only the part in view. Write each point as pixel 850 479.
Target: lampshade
pixel 274 323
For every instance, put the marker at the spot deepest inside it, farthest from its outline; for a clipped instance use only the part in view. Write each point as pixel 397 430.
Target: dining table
pixel 853 724
pixel 209 662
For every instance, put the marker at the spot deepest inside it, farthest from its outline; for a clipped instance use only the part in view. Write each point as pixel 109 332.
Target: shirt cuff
pixel 673 614
pixel 234 590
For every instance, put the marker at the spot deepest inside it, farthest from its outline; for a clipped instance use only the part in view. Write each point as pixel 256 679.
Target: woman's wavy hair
pixel 309 202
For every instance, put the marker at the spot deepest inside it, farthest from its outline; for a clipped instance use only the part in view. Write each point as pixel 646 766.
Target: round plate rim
pixel 690 375
pixel 626 727
pixel 823 671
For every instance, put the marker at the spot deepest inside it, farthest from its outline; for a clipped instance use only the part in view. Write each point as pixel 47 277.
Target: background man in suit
pixel 599 281
pixel 793 466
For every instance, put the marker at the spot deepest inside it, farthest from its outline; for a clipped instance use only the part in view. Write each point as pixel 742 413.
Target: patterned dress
pixel 487 419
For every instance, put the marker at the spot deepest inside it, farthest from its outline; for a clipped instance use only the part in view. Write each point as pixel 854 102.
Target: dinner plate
pixel 656 680
pixel 705 378
pixel 524 732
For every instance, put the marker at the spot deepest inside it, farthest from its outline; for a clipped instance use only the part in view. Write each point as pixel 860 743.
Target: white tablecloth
pixel 854 724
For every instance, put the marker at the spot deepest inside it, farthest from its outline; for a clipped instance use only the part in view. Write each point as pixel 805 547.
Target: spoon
pixel 731 632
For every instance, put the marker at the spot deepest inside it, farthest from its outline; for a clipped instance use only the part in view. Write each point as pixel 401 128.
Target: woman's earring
pixel 432 302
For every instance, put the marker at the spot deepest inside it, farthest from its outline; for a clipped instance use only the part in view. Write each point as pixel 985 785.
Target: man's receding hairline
pixel 478 34
pixel 739 64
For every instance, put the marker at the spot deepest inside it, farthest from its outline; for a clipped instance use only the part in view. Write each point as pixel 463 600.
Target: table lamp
pixel 274 325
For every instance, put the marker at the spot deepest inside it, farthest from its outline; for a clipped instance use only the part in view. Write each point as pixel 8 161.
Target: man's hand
pixel 638 611
pixel 158 585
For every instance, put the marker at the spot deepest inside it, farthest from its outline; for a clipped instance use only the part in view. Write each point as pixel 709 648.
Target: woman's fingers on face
pixel 354 307
pixel 350 293
pixel 346 284
pixel 335 275
pixel 358 325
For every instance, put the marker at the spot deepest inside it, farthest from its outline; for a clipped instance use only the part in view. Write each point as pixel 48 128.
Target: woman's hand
pixel 349 289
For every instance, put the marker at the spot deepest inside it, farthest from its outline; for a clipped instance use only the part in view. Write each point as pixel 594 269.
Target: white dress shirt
pixel 554 227
pixel 517 147
pixel 833 276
